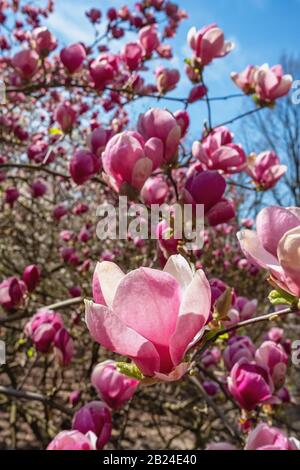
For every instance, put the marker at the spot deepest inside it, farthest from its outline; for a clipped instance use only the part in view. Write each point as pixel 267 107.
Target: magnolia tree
pixel 188 339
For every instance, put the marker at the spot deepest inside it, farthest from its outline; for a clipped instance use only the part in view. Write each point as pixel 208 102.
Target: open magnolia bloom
pixel 275 245
pixel 154 317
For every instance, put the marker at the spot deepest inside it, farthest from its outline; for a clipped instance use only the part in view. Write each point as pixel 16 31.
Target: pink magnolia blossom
pixel 98 140
pixel 272 357
pixel 65 115
pixel 64 347
pixel 94 417
pixel 221 213
pixel 31 277
pixel 26 63
pixel 151 316
pixel 245 307
pixel 208 43
pixel 162 126
pixel 73 440
pixel 211 357
pixel 149 39
pixel 218 287
pixel 218 152
pixel 264 437
pixel 275 334
pixel 44 41
pixel 38 189
pixel 270 83
pixel 245 80
pixel 11 196
pixel 265 169
pixel 238 347
pixel 275 245
pixel 42 328
pixel 155 191
pixel 59 212
pixel 183 121
pixel 129 160
pixel 83 165
pixel 197 93
pixel 39 152
pixel 73 57
pixel 12 292
pixel 211 388
pixel 113 387
pixel 94 15
pixel 103 70
pixel 166 79
pixel 132 55
pixel 207 188
pixel 250 384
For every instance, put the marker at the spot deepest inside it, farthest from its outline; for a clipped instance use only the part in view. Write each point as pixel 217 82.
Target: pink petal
pixel 107 277
pixel 148 301
pixel 212 44
pixel 178 267
pixel 272 223
pixel 109 330
pixel 254 251
pixel 194 313
pixel 289 258
pixel 154 150
pixel 141 171
pixel 176 373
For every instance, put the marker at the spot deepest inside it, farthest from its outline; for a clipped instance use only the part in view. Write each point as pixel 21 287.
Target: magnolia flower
pixel 44 41
pixel 161 125
pixel 155 191
pixel 113 387
pixel 275 245
pixel 73 440
pixel 265 169
pixel 72 57
pixel 238 347
pixel 183 120
pixel 128 160
pixel 270 83
pixel 149 39
pixel 218 152
pixel 208 43
pixel 250 384
pixel 151 316
pixel 273 357
pixel 245 80
pixel 166 79
pixel 264 437
pixel 26 63
pixel 94 417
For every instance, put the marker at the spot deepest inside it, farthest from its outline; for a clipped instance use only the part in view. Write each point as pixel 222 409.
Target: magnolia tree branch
pixel 251 321
pixel 210 402
pixel 58 305
pixel 27 395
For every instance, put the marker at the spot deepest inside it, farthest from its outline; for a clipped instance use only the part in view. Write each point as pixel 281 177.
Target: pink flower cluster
pixel 46 330
pixel 13 290
pixel 268 84
pixel 218 152
pixel 265 169
pixel 255 375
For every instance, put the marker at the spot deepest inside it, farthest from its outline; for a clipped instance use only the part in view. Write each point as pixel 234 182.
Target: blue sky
pixel 261 29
